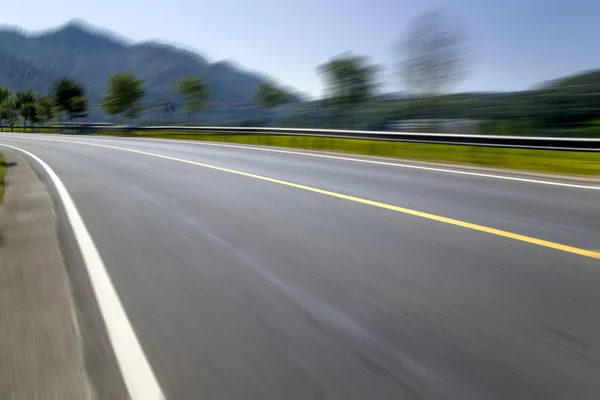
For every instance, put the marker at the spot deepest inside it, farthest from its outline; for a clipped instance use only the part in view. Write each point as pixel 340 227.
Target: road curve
pixel 244 288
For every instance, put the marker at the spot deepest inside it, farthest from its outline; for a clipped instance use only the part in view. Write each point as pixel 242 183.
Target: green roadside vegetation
pixel 43 130
pixel 549 161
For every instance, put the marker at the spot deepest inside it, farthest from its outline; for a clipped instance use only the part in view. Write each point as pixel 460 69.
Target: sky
pixel 512 45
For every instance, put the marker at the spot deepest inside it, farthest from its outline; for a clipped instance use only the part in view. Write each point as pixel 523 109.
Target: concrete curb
pixel 41 348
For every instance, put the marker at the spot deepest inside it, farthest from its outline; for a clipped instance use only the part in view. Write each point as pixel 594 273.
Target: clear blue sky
pixel 514 43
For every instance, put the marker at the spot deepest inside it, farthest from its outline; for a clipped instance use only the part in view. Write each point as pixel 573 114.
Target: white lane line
pixel 352 159
pixel 135 369
pixel 360 160
pixel 434 217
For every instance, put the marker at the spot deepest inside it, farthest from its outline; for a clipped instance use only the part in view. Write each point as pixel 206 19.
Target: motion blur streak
pixel 138 375
pixel 242 288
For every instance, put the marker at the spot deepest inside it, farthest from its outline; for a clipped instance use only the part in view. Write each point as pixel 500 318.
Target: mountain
pixel 17 73
pixel 90 56
pixel 391 96
pixel 584 78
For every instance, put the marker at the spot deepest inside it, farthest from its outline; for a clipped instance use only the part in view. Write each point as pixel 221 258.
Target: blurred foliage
pixel 571 110
pixel 35 108
pixel 123 95
pixel 79 106
pixel 269 94
pixel 349 80
pixel 23 97
pixel 195 94
pixel 29 112
pixel 4 93
pixel 25 104
pixel 432 53
pixel 47 108
pixel 68 96
pixel 9 111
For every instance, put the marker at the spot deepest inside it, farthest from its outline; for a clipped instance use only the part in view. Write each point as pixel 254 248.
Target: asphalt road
pixel 240 288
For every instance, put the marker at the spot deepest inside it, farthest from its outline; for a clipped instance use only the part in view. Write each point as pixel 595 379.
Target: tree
pixel 29 112
pixel 67 95
pixel 123 95
pixel 25 105
pixel 349 79
pixel 79 106
pixel 23 97
pixel 195 94
pixel 270 95
pixel 433 54
pixel 46 108
pixel 9 111
pixel 4 94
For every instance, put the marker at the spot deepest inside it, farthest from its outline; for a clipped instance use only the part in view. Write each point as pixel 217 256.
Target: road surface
pixel 306 286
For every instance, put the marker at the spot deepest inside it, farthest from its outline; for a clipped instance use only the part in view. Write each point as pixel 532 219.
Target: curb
pixel 41 346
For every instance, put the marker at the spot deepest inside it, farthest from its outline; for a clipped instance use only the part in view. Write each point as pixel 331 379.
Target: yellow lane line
pixel 433 217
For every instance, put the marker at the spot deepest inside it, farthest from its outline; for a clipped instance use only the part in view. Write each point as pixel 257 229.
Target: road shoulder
pixel 41 346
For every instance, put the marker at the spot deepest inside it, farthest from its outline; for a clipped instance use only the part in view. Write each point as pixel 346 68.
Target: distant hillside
pixel 90 56
pixel 591 77
pixel 17 73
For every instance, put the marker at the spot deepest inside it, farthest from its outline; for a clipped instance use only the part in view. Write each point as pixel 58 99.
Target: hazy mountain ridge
pixel 91 56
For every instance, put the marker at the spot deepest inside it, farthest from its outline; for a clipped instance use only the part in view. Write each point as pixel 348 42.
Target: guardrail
pixel 522 142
